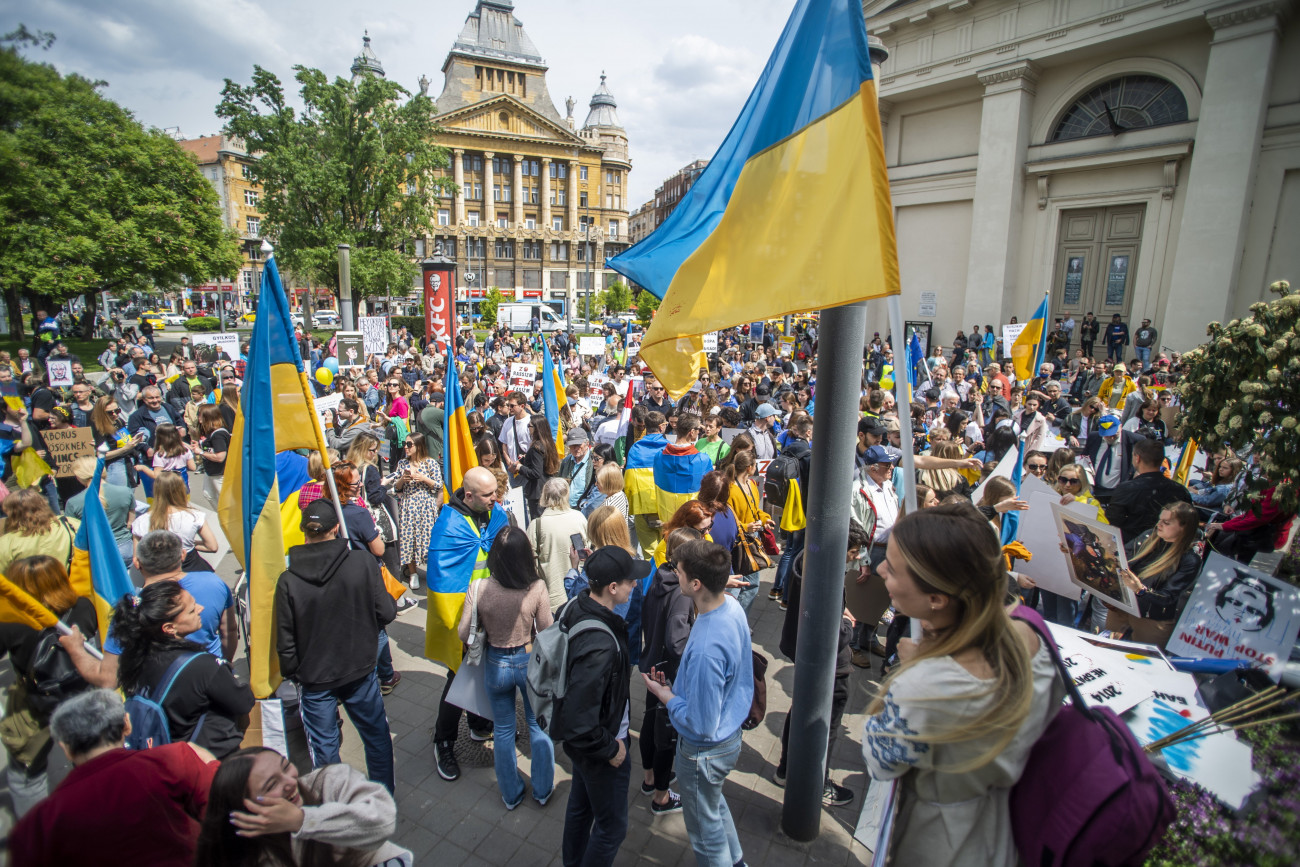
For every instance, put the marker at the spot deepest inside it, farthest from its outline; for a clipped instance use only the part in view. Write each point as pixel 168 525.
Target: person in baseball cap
pixel 881 455
pixel 576 437
pixel 765 410
pixel 1109 425
pixel 319 517
pixel 612 563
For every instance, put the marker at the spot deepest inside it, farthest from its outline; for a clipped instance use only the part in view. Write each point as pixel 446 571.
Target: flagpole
pixel 899 345
pixel 835 436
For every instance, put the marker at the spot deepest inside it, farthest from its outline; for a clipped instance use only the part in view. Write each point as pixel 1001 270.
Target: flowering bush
pixel 1242 387
pixel 1265 834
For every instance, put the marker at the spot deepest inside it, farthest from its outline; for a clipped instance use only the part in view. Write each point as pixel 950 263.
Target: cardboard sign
pixel 595 386
pixel 1104 677
pixel 1096 558
pixel 1009 335
pixel 1236 612
pixel 374 331
pixel 591 346
pixel 522 378
pixel 633 346
pixel 787 345
pixel 67 445
pixel 1038 533
pixel 711 342
pixel 60 371
pixel 352 350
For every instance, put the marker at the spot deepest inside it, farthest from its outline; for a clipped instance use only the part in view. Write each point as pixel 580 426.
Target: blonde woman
pixel 956 720
pixel 945 482
pixel 609 481
pixel 171 510
pixel 1164 565
pixel 31 529
pixel 550 533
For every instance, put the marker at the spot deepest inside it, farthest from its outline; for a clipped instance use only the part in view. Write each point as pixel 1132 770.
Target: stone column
pixel 999 191
pixel 573 198
pixel 1221 180
pixel 489 178
pixel 458 175
pixel 546 192
pixel 518 193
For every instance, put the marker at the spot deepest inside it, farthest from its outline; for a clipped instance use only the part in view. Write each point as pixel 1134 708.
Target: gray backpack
pixel 548 669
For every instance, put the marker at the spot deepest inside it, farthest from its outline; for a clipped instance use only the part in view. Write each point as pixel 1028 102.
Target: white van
pixel 520 316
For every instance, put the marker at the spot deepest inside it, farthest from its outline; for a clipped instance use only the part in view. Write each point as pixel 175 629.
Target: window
pixel 244 169
pixel 559 251
pixel 532 249
pixel 471 163
pixel 419 248
pixel 532 195
pixel 609 200
pixel 613 228
pixel 504 248
pixel 582 173
pixel 505 278
pixel 250 198
pixel 559 171
pixel 247 280
pixel 1122 104
pixel 475 248
pixel 444 217
pixel 582 200
pixel 530 222
pixel 475 191
pixel 254 226
pixel 531 168
pixel 502 165
pixel 503 222
pixel 500 192
pixel 583 279
pixel 411 188
pixel 557 223
pixel 559 279
pixel 581 251
pixel 472 218
pixel 532 279
pixel 559 197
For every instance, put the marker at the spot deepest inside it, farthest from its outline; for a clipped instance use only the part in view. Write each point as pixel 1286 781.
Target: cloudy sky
pixel 680 69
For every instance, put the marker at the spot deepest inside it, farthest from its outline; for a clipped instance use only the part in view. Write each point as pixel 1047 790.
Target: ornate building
pixel 1139 157
pixel 541 201
pixel 228 166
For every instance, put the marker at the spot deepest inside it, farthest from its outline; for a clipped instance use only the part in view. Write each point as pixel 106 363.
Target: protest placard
pixel 1009 335
pixel 787 345
pixel 756 332
pixel 633 346
pixel 1236 612
pixel 1037 532
pixel 216 343
pixel 591 346
pixel 595 386
pixel 711 342
pixel 352 351
pixel 1104 677
pixel 1096 557
pixel 522 378
pixel 60 371
pixel 67 445
pixel 374 331
pixel 329 403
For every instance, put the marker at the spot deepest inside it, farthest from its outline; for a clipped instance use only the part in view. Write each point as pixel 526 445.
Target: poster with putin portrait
pixel 1236 612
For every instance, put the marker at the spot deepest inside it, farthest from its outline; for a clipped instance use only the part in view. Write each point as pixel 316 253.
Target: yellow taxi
pixel 154 318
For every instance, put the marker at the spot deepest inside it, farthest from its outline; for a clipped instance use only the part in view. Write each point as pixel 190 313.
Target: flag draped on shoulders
pixel 1030 347
pixel 792 213
pixel 677 472
pixel 97 571
pixel 639 474
pixel 457 556
pixel 276 413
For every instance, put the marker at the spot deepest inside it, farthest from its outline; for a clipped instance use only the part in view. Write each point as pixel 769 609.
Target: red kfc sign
pixel 439 311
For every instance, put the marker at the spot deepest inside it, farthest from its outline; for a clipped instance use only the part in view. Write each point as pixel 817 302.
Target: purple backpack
pixel 1089 795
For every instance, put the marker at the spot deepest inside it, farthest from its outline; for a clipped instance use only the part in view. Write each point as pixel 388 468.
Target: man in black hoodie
pixel 593 721
pixel 332 657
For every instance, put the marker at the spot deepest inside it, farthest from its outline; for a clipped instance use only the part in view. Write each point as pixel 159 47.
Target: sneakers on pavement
pixel 836 796
pixel 773 594
pixel 648 789
pixel 444 753
pixel 387 686
pixel 480 737
pixel 672 805
pixel 778 777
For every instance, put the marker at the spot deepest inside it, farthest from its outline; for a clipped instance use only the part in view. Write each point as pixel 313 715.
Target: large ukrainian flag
pixel 553 396
pixel 97 571
pixel 276 413
pixel 639 475
pixel 458 453
pixel 793 212
pixel 1030 347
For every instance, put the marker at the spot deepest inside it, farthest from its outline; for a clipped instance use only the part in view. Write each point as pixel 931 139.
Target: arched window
pixel 1122 104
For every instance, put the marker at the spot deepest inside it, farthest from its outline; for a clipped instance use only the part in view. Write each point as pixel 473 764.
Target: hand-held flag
pixel 97 570
pixel 1030 347
pixel 458 453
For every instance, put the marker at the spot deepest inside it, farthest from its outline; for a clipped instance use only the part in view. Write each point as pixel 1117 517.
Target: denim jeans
pixel 1144 355
pixel 384 658
pixel 1059 609
pixel 365 706
pixel 793 548
pixel 595 821
pixel 506 672
pixel 700 772
pixel 746 595
pixel 115 473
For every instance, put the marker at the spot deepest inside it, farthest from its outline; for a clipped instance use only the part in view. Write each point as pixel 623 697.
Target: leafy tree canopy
pixel 355 167
pixel 646 305
pixel 487 308
pixel 615 298
pixel 91 201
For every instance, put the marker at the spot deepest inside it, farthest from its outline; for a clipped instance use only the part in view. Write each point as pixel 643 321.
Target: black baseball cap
pixel 612 563
pixel 319 517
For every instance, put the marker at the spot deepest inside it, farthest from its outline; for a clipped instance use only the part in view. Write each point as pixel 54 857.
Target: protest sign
pixel 633 346
pixel 1104 677
pixel 1037 532
pixel 1218 762
pixel 329 403
pixel 1009 335
pixel 1096 557
pixel 217 343
pixel 711 341
pixel 374 332
pixel 513 503
pixel 592 346
pixel 523 377
pixel 756 332
pixel 1002 471
pixel 1236 612
pixel 60 371
pixel 68 444
pixel 787 345
pixel 9 391
pixel 595 386
pixel 352 351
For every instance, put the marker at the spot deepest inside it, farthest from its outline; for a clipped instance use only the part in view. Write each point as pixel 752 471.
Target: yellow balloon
pixel 324 377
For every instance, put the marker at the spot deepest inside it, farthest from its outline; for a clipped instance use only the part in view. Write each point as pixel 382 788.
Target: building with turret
pixel 541 202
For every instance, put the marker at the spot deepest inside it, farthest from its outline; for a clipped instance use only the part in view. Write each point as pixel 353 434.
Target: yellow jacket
pixel 746 502
pixel 1107 389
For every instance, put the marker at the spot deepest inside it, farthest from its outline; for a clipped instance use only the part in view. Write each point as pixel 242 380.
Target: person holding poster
pixel 1164 565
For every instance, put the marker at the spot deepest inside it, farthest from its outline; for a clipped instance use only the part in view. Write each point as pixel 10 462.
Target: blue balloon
pixel 332 364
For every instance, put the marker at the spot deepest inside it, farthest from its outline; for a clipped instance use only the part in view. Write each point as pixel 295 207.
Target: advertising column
pixel 439 302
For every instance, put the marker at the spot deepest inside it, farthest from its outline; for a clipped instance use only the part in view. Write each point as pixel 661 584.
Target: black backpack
pixel 782 470
pixel 51 677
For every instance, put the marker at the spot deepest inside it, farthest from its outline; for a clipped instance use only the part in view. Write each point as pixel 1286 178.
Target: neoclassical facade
pixel 1139 157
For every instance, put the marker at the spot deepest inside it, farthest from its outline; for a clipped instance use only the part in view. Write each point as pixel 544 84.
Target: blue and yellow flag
pixel 677 472
pixel 639 474
pixel 97 570
pixel 457 557
pixel 1030 347
pixel 1184 468
pixel 276 413
pixel 1011 519
pixel 458 453
pixel 793 212
pixel 553 396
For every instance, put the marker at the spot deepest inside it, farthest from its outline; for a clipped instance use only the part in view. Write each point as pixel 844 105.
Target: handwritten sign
pixel 591 346
pixel 374 331
pixel 595 385
pixel 68 444
pixel 711 342
pixel 522 378
pixel 1009 335
pixel 1236 612
pixel 329 403
pixel 60 371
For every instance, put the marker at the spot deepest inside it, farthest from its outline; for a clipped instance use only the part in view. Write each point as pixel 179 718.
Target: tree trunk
pixel 13 301
pixel 88 319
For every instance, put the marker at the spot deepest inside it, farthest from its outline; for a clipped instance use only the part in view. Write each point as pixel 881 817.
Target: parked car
pixel 175 318
pixel 154 319
pixel 324 318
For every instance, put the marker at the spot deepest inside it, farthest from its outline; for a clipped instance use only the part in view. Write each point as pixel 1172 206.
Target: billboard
pixel 439 309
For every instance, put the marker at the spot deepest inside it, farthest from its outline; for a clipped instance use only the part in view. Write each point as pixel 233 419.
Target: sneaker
pixel 444 753
pixel 836 796
pixel 414 581
pixel 648 789
pixel 672 805
pixel 387 686
pixel 541 801
pixel 517 802
pixel 778 777
pixel 862 659
pixel 773 595
pixel 480 737
pixel 404 603
pixel 784 605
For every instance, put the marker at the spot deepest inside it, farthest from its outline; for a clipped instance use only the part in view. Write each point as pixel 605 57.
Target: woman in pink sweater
pixel 513 605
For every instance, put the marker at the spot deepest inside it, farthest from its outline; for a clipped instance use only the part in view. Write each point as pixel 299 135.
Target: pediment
pixel 503 115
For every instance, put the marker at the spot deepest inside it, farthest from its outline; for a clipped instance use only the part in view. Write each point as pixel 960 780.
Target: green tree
pixel 91 201
pixel 487 308
pixel 615 298
pixel 646 305
pixel 356 167
pixel 1242 388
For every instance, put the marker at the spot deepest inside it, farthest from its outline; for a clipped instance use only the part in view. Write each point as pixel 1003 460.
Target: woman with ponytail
pixel 957 718
pixel 205 704
pixel 262 814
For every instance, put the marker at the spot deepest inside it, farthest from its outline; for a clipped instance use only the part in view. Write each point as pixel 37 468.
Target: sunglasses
pixel 1035 468
pixel 1067 480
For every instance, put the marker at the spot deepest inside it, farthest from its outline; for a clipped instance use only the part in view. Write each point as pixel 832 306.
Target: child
pixel 212 447
pixel 170 455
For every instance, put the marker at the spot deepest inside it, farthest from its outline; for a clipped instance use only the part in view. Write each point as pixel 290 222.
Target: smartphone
pixel 576 541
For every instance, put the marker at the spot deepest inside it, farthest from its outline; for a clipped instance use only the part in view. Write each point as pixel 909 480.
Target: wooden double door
pixel 1097 257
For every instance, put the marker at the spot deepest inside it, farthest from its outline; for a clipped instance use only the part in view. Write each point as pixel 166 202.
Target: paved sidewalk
pixel 465 822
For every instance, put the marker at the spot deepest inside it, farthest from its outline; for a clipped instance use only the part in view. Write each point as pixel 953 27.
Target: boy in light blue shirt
pixel 709 701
